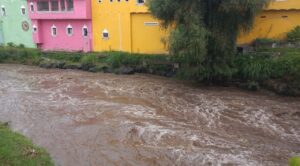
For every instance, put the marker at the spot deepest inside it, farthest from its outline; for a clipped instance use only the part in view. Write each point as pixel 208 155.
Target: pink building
pixel 61 24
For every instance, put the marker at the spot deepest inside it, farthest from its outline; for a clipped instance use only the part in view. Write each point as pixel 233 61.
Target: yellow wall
pixel 284 5
pixel 125 22
pixel 272 24
pixel 146 38
pixel 280 17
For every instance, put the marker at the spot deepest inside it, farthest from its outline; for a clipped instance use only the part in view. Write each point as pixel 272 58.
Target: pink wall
pixel 80 16
pixel 76 42
pixel 82 10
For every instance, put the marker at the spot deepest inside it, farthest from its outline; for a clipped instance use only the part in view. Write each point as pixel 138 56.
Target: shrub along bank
pixel 110 62
pixel 274 69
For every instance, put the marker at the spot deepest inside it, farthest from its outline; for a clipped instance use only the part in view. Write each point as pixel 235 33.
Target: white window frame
pixel 69 26
pixel 3 13
pixel 104 37
pixel 34 29
pixel 31 5
pixel 52 32
pixel 23 7
pixel 83 28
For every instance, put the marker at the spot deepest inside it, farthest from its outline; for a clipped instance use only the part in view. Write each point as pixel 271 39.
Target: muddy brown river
pixel 86 119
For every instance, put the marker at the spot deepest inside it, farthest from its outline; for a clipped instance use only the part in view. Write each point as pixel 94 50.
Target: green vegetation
pixel 263 42
pixel 20 55
pixel 204 34
pixel 118 59
pixel 294 35
pixel 114 62
pixel 276 69
pixel 295 161
pixel 16 150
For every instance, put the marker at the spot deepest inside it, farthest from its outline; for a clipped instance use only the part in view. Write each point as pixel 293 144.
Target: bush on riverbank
pixel 17 150
pixel 20 55
pixel 294 35
pixel 274 69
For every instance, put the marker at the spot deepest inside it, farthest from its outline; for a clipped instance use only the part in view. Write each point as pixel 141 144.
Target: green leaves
pixel 205 32
pixel 294 35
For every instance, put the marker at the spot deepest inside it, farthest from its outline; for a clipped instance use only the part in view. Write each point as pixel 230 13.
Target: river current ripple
pixel 88 119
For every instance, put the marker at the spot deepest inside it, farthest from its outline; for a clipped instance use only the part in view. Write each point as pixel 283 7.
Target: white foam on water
pixel 168 120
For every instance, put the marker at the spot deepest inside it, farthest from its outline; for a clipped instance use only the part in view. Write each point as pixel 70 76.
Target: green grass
pixel 295 161
pixel 16 150
pixel 275 69
pixel 269 64
pixel 118 59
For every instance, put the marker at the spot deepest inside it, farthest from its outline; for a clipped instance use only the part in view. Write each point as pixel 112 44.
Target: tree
pixel 204 33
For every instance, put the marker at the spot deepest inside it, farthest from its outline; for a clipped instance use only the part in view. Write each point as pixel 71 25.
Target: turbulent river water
pixel 88 119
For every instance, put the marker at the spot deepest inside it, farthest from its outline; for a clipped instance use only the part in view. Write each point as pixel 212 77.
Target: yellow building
pixel 126 25
pixel 280 17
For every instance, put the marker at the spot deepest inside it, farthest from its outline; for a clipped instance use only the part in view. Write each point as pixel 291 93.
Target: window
pixel 54 5
pixel 70 5
pixel 85 31
pixel 3 11
pixel 69 30
pixel 31 7
pixel 43 5
pixel 140 1
pixel 53 30
pixel 105 34
pixel 23 10
pixel 151 23
pixel 34 28
pixel 62 5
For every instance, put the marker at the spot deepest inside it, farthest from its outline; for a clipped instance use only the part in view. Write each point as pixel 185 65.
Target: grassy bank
pixel 295 161
pixel 111 62
pixel 16 150
pixel 275 69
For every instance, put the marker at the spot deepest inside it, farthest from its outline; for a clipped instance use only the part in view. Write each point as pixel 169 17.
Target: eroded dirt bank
pixel 102 119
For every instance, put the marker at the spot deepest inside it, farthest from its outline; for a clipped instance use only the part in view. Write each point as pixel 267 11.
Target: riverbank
pixel 276 70
pixel 16 150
